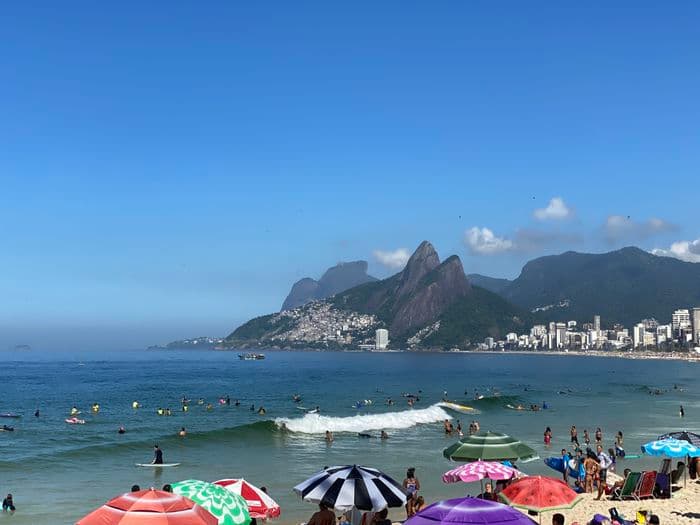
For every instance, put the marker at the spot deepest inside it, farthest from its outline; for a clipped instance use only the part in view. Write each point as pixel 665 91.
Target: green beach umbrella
pixel 228 507
pixel 490 446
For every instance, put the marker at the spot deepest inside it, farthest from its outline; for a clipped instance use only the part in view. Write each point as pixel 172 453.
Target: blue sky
pixel 168 169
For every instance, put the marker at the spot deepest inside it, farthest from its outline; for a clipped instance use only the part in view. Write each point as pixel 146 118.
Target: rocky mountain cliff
pixel 415 296
pixel 337 279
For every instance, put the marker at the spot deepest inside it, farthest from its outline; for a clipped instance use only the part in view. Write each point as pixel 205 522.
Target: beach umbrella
pixel 467 511
pixel 539 494
pixel 690 437
pixel 672 448
pixel 491 446
pixel 149 507
pixel 229 508
pixel 352 487
pixel 260 504
pixel 479 470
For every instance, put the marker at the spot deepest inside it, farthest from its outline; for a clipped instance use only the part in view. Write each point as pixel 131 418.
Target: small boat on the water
pixel 251 357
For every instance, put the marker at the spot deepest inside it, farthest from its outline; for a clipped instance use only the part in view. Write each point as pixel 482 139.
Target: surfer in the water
pixel 121 430
pixel 157 456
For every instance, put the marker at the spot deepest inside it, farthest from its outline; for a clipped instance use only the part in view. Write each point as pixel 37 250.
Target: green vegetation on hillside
pixel 479 315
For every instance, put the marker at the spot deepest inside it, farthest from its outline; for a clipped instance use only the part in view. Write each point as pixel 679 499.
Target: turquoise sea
pixel 59 472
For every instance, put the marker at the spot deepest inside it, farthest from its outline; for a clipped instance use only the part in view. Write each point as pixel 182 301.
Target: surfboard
pixel 464 409
pixel 13 416
pixel 157 465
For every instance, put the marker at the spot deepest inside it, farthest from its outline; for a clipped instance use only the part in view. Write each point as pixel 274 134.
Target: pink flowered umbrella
pixel 478 470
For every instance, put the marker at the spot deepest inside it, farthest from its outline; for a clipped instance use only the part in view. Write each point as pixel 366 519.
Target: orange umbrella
pixel 539 494
pixel 149 507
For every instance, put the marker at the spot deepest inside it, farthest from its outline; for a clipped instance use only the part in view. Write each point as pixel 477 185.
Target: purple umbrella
pixel 469 510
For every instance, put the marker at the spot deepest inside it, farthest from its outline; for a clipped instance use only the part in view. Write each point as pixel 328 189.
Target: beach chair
pixel 663 486
pixel 677 474
pixel 665 466
pixel 629 486
pixel 645 489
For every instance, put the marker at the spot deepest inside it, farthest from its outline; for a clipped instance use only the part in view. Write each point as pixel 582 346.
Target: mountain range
pixel 428 303
pixel 337 279
pixel 432 303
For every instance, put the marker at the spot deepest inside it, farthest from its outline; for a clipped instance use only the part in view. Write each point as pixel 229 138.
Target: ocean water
pixel 59 472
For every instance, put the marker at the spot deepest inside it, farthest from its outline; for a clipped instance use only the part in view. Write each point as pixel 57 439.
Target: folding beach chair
pixel 665 466
pixel 663 486
pixel 629 486
pixel 677 474
pixel 645 489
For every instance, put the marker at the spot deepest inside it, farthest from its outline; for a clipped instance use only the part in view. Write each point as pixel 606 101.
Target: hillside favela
pixel 366 263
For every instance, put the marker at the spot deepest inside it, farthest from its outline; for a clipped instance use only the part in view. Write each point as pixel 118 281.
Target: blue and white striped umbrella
pixel 672 448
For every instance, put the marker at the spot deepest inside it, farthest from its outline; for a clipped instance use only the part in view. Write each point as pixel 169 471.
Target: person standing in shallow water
pixel 411 485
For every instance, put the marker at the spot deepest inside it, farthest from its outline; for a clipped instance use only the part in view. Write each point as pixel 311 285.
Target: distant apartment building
pixel 696 325
pixel 596 323
pixel 489 342
pixel 680 320
pixel 381 338
pixel 638 335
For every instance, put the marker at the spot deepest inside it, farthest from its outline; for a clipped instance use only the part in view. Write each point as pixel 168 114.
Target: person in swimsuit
pixel 547 436
pixel 574 435
pixel 157 456
pixel 412 486
pixel 8 504
pixel 586 437
pixel 598 436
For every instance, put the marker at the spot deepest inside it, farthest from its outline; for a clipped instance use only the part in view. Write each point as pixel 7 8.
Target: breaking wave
pixel 318 423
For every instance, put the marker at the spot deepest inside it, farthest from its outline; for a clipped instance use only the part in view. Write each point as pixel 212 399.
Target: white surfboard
pixel 157 465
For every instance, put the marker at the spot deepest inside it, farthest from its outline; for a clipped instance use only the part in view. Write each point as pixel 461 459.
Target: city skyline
pixel 172 172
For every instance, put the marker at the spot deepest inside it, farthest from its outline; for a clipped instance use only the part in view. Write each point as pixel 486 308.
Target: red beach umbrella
pixel 539 494
pixel 149 507
pixel 260 504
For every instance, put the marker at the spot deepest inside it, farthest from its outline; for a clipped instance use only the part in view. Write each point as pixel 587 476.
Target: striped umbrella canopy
pixel 229 508
pixel 468 511
pixel 539 494
pixel 260 504
pixel 672 448
pixel 149 507
pixel 352 487
pixel 479 470
pixel 690 437
pixel 491 446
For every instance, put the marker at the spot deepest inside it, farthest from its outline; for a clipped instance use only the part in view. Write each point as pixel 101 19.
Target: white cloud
pixel 395 260
pixel 556 210
pixel 688 251
pixel 619 228
pixel 482 241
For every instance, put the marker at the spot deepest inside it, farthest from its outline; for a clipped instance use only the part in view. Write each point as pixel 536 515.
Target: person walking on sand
pixel 565 464
pixel 604 462
pixel 411 485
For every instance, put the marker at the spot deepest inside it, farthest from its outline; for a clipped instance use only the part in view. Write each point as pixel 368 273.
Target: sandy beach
pixel 683 508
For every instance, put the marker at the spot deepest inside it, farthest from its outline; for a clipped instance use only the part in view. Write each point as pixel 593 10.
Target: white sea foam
pixel 318 423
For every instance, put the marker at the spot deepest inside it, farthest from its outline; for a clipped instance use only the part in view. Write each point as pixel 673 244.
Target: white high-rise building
pixel 596 323
pixel 381 337
pixel 696 325
pixel 638 335
pixel 561 335
pixel 539 330
pixel 680 320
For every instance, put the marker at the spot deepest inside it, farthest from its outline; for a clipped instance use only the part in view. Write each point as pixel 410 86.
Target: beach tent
pixel 491 446
pixel 147 507
pixel 468 511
